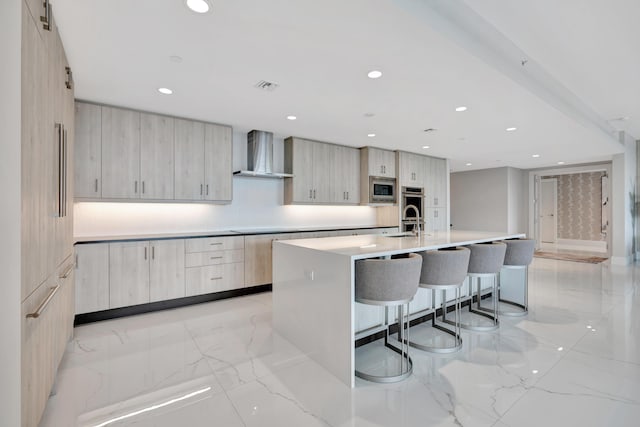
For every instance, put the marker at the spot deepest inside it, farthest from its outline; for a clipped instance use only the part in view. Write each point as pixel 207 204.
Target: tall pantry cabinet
pixel 47 206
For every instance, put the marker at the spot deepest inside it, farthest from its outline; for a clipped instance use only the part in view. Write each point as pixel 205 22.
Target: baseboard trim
pixel 114 313
pixel 582 245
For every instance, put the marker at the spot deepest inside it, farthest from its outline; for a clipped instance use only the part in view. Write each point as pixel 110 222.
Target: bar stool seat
pixel 485 262
pixel 389 283
pixel 443 270
pixel 518 256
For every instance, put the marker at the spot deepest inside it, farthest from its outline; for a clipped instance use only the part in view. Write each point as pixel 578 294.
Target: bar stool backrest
pixel 445 267
pixel 519 251
pixel 486 258
pixel 387 281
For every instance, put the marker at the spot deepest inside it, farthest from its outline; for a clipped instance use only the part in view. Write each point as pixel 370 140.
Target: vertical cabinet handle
pixel 201 189
pixel 145 252
pixel 310 193
pixel 46 19
pixel 314 194
pixel 135 187
pixel 142 187
pixel 207 190
pixel 69 82
pixel 60 147
pixel 95 186
pixel 153 252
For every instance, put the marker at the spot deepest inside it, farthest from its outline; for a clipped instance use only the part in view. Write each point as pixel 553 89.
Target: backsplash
pixel 579 206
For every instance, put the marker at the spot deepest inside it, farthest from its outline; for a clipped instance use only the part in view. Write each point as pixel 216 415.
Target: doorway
pixel 570 209
pixel 548 210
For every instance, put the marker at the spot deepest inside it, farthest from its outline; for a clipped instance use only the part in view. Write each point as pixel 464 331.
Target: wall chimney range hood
pixel 260 156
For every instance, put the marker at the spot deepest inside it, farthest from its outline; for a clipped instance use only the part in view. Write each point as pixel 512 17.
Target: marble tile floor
pixel 574 360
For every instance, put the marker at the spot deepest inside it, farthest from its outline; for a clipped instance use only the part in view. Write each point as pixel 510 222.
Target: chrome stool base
pixel 489 313
pixel 456 324
pixel 525 306
pixel 406 364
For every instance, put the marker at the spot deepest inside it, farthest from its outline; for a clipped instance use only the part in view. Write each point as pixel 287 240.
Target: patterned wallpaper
pixel 579 206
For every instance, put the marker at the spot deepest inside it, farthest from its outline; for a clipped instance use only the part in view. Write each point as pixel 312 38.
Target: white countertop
pixel 369 246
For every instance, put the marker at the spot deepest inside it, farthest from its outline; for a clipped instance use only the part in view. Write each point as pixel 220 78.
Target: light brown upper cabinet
pixel 218 176
pixel 125 154
pixel 202 161
pixel 379 162
pixel 411 169
pixel 120 153
pixel 88 152
pixel 323 173
pixel 156 156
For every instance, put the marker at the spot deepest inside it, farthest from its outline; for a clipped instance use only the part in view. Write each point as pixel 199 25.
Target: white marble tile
pixel 582 390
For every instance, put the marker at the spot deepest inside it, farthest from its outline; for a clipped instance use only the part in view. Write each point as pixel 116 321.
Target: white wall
pixel 517 200
pixel 256 203
pixel 623 186
pixel 479 200
pixel 10 35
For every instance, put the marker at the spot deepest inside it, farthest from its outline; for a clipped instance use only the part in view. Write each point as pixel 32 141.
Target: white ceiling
pixel 319 52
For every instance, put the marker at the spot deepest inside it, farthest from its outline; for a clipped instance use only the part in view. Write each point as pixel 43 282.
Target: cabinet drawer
pixel 199 259
pixel 214 244
pixel 214 278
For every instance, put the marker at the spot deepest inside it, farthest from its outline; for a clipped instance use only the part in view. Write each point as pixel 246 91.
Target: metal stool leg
pixel 524 307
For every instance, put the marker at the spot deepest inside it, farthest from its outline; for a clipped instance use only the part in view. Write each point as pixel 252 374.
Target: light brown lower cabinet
pixel 47 326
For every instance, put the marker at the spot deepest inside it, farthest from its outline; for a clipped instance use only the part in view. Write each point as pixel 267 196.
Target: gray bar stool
pixel 443 270
pixel 518 256
pixel 485 261
pixel 389 282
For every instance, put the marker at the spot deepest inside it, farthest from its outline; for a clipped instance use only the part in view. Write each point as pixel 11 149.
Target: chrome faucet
pixel 416 230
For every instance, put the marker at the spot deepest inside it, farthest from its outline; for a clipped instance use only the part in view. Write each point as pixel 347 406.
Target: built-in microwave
pixel 382 190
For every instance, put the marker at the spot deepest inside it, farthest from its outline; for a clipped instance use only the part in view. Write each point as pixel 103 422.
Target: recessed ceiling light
pixel 560 348
pixel 461 108
pixel 291 117
pixel 535 155
pixel 535 371
pixel 175 58
pixel 561 163
pixel 369 114
pixel 425 147
pixel 375 74
pixel 165 91
pixel 371 135
pixel 198 6
pixel 468 164
pixel 511 129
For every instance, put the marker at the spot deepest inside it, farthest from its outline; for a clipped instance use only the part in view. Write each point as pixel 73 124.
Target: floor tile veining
pixel 574 360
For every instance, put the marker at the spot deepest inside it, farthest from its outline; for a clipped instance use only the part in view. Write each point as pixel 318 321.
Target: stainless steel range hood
pixel 260 156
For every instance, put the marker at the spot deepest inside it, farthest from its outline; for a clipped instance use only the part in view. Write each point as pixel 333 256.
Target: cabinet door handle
pixel 95 185
pixel 66 272
pixel 135 187
pixel 142 187
pixel 207 192
pixel 347 195
pixel 44 303
pixel 201 189
pixel 435 201
pixel 216 243
pixel 46 19
pixel 76 261
pixel 145 252
pixel 69 82
pixel 310 193
pixel 314 194
pixel 435 214
pixel 153 252
pixel 216 257
pixel 216 278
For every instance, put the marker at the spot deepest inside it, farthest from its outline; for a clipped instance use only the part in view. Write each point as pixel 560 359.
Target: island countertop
pixel 370 246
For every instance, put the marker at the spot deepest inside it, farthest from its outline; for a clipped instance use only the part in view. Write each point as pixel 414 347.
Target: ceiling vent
pixel 265 85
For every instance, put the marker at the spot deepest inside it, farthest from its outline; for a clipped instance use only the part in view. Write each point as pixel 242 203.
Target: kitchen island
pixel 313 288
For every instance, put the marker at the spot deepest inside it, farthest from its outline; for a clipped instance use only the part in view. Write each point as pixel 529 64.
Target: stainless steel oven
pixel 382 190
pixel 412 196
